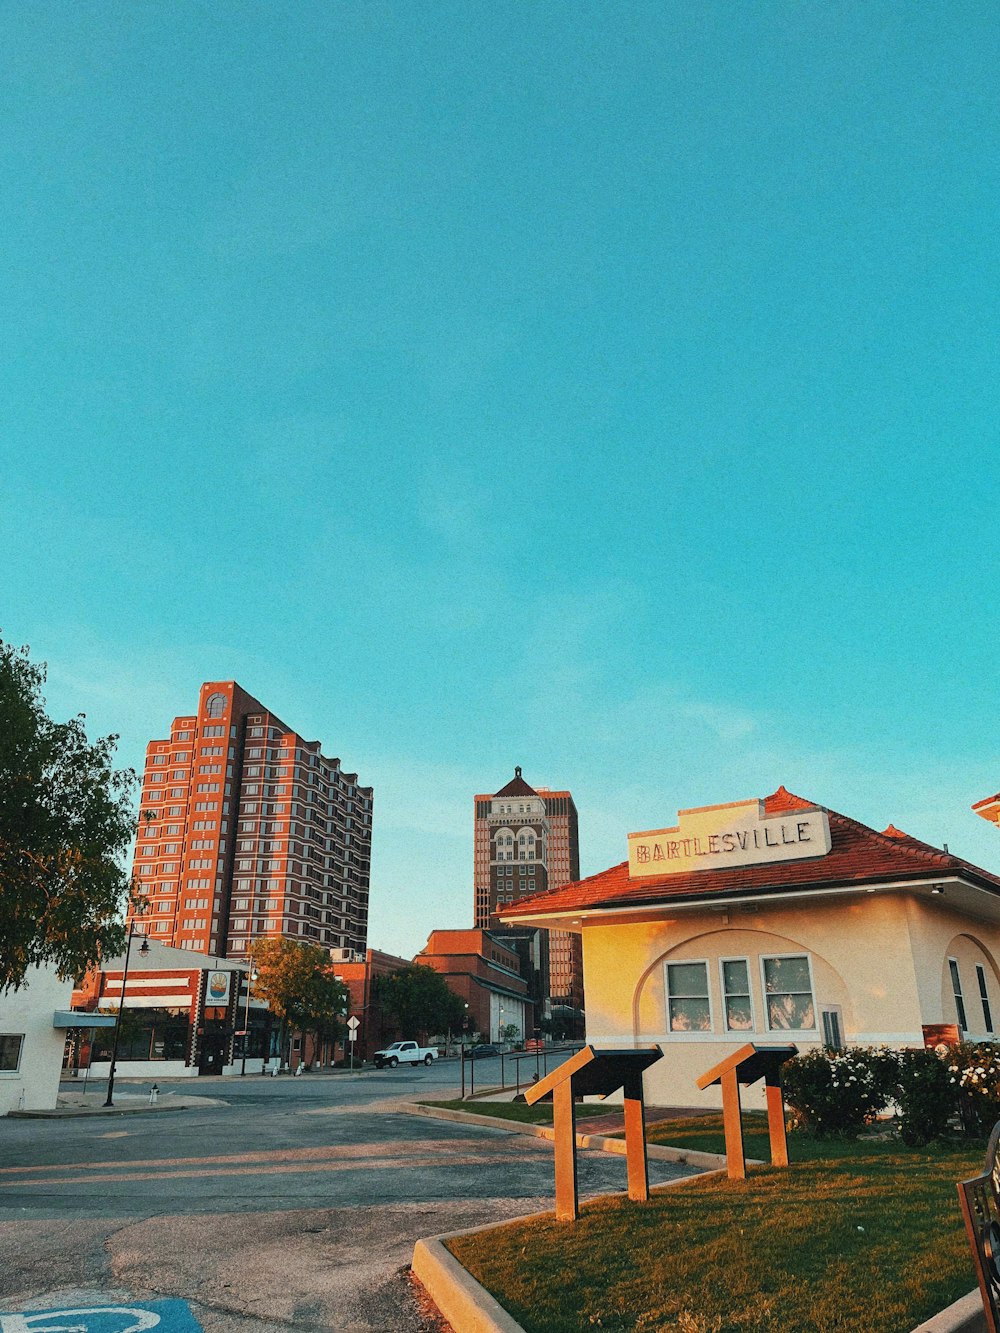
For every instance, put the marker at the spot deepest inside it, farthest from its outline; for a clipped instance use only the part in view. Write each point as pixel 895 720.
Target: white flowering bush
pixel 974 1068
pixel 838 1092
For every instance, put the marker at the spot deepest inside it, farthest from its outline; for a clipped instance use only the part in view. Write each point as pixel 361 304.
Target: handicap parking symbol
pixel 164 1316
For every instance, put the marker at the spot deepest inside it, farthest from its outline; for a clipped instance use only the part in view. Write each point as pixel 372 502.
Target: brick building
pixel 526 841
pixel 247 830
pixel 183 1014
pixel 358 973
pixel 483 970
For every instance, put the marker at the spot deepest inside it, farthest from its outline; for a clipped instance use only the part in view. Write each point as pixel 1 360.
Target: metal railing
pixel 518 1069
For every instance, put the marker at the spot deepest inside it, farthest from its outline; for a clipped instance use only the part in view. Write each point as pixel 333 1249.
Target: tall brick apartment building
pixel 527 840
pixel 246 829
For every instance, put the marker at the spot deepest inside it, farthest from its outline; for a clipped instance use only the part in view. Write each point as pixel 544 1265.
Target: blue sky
pixel 607 389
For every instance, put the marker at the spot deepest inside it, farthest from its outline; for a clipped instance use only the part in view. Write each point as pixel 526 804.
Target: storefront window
pixel 788 993
pixel 736 991
pixel 688 1007
pixel 147 1034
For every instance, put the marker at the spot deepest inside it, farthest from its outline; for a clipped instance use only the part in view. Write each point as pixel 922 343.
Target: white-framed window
pixel 11 1044
pixel 737 998
pixel 786 980
pixel 984 997
pixel 689 1005
pixel 956 985
pixel 832 1021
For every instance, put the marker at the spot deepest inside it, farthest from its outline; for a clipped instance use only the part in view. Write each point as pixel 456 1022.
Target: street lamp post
pixel 251 977
pixel 144 950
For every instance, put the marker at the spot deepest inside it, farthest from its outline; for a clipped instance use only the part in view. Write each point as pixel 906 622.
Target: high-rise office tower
pixel 246 829
pixel 527 840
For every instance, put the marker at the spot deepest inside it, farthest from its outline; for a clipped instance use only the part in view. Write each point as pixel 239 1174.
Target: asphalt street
pixel 295 1204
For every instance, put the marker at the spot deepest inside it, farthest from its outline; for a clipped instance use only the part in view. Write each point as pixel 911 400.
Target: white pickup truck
pixel 404 1053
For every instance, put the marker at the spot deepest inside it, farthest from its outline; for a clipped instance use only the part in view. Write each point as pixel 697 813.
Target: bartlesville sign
pixel 716 837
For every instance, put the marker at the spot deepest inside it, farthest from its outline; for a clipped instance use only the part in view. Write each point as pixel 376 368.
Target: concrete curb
pixel 656 1151
pixel 67 1112
pixel 468 1307
pixel 965 1316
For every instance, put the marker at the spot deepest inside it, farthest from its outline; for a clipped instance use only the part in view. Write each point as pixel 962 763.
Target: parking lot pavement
pixel 267 1212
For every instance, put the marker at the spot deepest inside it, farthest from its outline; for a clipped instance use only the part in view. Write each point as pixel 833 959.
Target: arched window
pixel 215 705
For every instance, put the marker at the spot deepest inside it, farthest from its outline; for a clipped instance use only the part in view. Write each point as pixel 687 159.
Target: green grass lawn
pixel 858 1237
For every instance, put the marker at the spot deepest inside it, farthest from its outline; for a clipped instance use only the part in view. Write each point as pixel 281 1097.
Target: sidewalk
pixel 92 1103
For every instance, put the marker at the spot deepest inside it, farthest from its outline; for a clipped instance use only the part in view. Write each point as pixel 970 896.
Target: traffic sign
pixel 353 1023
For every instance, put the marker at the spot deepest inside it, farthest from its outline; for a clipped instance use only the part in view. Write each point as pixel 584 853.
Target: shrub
pixel 926 1095
pixel 975 1075
pixel 838 1092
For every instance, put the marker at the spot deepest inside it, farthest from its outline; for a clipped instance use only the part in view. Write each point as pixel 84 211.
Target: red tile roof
pixel 858 855
pixel 989 800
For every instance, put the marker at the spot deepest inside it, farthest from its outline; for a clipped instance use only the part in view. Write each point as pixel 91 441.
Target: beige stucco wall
pixel 938 933
pixel 880 957
pixel 28 1013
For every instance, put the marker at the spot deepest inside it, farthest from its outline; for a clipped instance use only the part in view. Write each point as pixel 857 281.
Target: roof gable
pixel 516 787
pixel 858 855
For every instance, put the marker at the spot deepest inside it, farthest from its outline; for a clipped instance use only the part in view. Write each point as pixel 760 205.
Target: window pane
pixel 738 1015
pixel 790 1011
pixel 831 1030
pixel 735 977
pixel 688 978
pixel 786 974
pixel 10 1052
pixel 690 1015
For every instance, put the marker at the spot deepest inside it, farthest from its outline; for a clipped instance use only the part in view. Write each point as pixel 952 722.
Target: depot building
pixel 776 920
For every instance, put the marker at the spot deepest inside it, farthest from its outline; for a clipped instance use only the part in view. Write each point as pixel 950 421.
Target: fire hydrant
pixel 154 1095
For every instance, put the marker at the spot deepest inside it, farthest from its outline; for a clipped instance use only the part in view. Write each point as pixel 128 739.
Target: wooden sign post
pixel 596 1073
pixel 747 1065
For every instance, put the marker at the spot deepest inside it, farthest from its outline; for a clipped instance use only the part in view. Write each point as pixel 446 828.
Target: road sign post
pixel 352 1030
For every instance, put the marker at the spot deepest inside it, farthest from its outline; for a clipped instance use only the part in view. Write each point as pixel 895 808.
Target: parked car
pixel 484 1049
pixel 404 1053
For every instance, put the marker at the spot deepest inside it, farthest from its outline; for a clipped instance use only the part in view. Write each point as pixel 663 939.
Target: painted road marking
pixel 166 1316
pixel 404 1147
pixel 127 1176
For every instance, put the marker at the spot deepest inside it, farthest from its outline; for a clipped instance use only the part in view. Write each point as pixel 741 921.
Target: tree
pixel 66 821
pixel 298 983
pixel 418 999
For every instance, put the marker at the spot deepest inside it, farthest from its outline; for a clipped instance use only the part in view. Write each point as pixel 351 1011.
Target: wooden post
pixel 736 1167
pixel 635 1140
pixel 564 1125
pixel 776 1121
